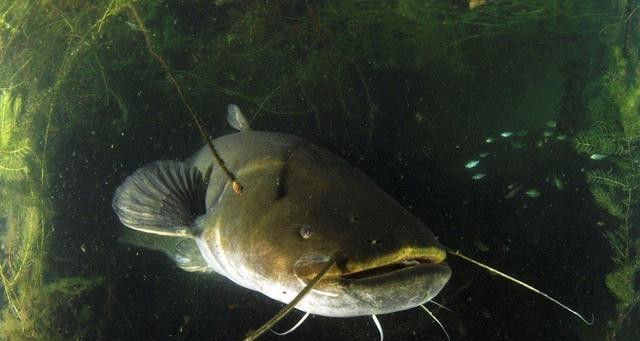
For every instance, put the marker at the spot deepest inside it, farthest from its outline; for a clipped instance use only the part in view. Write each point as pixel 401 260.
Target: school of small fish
pixel 513 138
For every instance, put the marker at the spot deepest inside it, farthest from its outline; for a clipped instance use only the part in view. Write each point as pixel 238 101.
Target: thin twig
pixel 237 187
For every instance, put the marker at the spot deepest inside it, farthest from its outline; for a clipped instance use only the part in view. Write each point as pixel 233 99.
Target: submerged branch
pixel 237 187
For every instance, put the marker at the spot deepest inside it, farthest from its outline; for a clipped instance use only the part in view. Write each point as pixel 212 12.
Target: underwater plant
pixel 614 137
pixel 14 149
pixel 38 303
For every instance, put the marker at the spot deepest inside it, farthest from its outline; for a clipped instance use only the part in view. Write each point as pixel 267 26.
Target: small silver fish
pixel 561 137
pixel 558 183
pixel 506 134
pixel 472 164
pixel 489 140
pixel 533 193
pixel 513 190
pixel 598 156
pixel 518 144
pixel 547 133
pixel 552 124
pixel 478 176
pixel 484 154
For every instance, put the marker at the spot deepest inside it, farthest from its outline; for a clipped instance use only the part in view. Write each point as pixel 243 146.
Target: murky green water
pixel 511 129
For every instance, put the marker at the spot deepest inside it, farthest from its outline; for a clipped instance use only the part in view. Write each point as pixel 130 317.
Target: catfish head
pixel 304 206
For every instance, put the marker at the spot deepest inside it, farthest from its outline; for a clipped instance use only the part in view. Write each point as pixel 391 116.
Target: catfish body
pixel 301 206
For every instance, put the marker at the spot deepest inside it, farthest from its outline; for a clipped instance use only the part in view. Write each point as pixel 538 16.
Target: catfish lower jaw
pixel 307 269
pixel 379 290
pixel 389 269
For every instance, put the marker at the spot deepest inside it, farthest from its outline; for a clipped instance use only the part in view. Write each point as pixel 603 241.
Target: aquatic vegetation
pixel 35 308
pixel 14 149
pixel 615 135
pixel 601 140
pixel 17 246
pixel 53 311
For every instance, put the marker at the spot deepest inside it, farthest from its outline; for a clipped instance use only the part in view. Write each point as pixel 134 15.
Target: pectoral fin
pixel 163 198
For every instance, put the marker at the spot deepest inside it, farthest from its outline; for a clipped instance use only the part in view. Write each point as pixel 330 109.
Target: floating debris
pixel 480 245
pixel 506 134
pixel 598 156
pixel 533 193
pixel 419 116
pixel 472 164
pixel 478 176
pixel 552 124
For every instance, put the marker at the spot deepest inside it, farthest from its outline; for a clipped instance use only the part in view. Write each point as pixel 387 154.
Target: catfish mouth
pixel 359 269
pixel 388 269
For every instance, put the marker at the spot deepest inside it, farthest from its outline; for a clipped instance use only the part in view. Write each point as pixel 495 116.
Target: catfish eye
pixel 305 231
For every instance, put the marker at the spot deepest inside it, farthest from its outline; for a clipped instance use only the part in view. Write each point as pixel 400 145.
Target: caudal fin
pixel 162 198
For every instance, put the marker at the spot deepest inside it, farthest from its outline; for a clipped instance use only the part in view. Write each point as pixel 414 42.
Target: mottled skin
pixel 255 238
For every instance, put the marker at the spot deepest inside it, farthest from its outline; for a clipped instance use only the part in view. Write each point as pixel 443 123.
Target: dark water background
pixel 427 124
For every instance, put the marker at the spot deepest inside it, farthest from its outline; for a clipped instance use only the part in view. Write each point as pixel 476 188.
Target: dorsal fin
pixel 236 119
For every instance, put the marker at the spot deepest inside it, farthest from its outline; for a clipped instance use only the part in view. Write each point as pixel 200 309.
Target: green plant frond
pixel 620 245
pixel 607 199
pixel 18 149
pixel 13 167
pixel 620 283
pixel 10 108
pixel 630 112
pixel 607 178
pixel 13 150
pixel 599 141
pixel 17 106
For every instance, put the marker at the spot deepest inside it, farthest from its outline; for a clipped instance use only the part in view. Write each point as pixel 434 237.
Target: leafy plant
pixel 14 149
pixel 615 133
pixel 600 140
pixel 21 268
